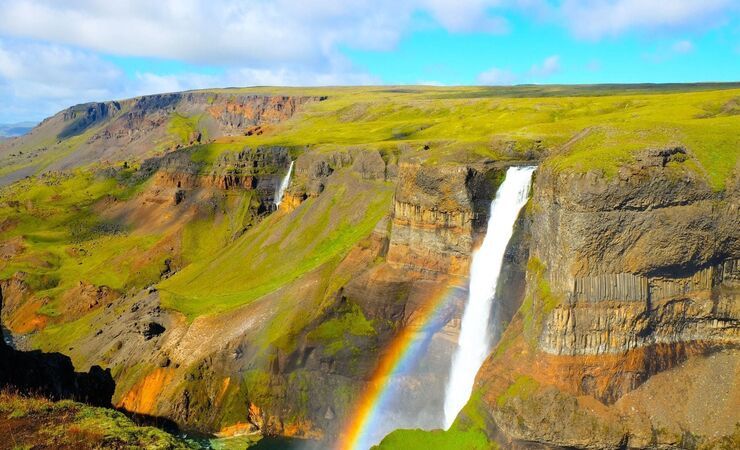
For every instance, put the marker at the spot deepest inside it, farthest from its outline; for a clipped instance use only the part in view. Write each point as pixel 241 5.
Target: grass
pixel 436 439
pixel 467 432
pixel 185 128
pixel 280 249
pixel 587 128
pixel 65 241
pixel 35 422
pixel 465 126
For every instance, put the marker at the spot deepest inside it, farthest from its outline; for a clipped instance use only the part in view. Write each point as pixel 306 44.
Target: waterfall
pixel 474 341
pixel 283 186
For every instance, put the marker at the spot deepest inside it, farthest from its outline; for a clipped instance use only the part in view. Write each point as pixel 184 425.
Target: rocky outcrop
pixel 82 117
pixel 135 129
pixel 260 168
pixel 617 313
pixel 237 112
pixel 438 213
pixel 630 277
pixel 313 169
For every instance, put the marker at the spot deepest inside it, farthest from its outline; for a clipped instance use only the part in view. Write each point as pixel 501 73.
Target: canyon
pixel 241 261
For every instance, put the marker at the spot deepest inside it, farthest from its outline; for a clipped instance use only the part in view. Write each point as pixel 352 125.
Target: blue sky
pixel 54 54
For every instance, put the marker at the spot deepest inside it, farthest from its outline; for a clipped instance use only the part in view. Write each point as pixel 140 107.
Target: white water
pixel 474 341
pixel 283 186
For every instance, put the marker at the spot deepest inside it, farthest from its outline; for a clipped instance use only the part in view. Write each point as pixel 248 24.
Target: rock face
pixel 616 313
pixel 438 212
pixel 629 277
pixel 136 128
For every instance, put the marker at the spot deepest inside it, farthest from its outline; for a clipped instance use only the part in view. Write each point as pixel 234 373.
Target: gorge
pixel 384 267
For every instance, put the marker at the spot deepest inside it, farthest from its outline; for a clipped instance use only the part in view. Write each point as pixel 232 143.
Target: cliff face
pixel 629 277
pixel 437 214
pixel 132 129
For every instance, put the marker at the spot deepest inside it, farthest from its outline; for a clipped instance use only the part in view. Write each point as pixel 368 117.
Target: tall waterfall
pixel 283 186
pixel 474 341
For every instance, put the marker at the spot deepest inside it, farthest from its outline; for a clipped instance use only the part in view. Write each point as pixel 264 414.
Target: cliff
pixel 133 129
pixel 632 290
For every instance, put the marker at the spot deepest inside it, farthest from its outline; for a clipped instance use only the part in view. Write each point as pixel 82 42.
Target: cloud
pixel 40 79
pixel 497 77
pixel 665 53
pixel 466 15
pixel 259 32
pixel 594 19
pixel 37 79
pixel 683 47
pixel 549 66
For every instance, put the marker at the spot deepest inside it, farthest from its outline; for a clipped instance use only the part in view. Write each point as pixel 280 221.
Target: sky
pixel 54 53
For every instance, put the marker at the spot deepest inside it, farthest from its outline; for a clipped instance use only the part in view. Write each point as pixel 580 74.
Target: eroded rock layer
pixel 632 285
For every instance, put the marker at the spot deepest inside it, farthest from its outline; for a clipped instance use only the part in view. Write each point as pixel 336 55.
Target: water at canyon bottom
pixel 474 343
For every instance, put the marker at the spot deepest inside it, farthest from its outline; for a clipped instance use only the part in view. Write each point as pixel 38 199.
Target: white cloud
pixel 258 32
pixel 51 51
pixel 496 77
pixel 594 19
pixel 549 66
pixel 466 15
pixel 38 79
pixel 683 47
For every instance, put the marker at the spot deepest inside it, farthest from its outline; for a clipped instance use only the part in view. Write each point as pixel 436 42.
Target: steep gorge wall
pixel 648 257
pixel 633 288
pixel 438 213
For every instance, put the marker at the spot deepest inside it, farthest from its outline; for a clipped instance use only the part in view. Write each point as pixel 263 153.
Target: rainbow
pixel 400 356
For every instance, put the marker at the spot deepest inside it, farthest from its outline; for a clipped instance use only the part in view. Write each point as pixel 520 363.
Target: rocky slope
pixel 134 128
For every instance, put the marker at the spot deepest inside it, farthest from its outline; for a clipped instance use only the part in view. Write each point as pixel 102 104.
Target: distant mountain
pixel 15 129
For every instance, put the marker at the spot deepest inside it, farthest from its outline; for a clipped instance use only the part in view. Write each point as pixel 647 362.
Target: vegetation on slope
pixel 63 241
pixel 280 249
pixel 467 432
pixel 38 423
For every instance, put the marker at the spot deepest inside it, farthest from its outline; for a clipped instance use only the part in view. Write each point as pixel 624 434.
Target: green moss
pixel 65 241
pixel 67 424
pixel 523 387
pixel 184 128
pixel 467 432
pixel 540 302
pixel 335 334
pixel 436 439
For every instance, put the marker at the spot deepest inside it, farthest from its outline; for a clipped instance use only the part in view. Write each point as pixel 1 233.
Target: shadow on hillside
pixel 283 443
pixel 147 420
pixel 52 375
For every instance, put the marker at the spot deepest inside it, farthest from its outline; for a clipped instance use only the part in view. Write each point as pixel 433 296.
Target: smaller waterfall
pixel 283 186
pixel 474 342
